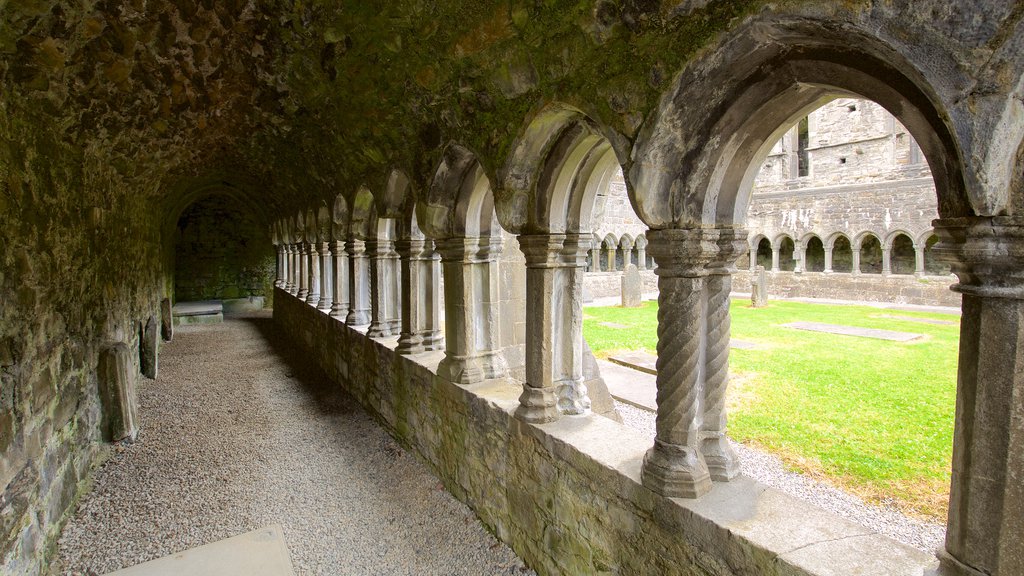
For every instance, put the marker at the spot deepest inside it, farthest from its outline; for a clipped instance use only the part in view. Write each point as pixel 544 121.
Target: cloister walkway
pixel 238 433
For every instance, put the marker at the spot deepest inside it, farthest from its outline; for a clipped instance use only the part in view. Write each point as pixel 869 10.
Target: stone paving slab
pixel 854 331
pixel 631 386
pixel 261 552
pixel 645 362
pixel 921 320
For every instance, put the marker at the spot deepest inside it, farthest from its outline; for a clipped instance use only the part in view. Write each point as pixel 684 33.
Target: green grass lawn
pixel 873 416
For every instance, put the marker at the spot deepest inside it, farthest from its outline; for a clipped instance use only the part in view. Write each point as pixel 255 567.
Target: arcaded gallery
pixel 313 287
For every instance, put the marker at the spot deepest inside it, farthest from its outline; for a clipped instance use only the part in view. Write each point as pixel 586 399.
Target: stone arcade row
pixel 922 253
pixel 391 287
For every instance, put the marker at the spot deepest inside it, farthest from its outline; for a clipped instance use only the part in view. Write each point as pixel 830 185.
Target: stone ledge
pixel 567 495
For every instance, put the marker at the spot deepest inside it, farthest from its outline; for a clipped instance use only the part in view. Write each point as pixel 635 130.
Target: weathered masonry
pixel 387 149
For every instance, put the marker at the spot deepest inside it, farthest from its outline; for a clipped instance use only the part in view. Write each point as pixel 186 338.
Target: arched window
pixel 902 256
pixel 786 249
pixel 842 255
pixel 933 267
pixel 764 253
pixel 814 255
pixel 870 255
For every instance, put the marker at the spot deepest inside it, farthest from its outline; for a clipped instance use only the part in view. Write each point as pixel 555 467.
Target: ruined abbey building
pixel 361 155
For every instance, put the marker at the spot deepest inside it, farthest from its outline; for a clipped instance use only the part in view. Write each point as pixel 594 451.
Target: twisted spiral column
pixel 674 466
pixel 718 454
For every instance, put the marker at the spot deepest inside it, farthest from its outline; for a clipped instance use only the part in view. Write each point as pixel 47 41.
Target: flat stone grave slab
pixel 854 331
pixel 645 362
pixel 258 553
pixel 199 312
pixel 627 385
pixel 921 320
pixel 612 325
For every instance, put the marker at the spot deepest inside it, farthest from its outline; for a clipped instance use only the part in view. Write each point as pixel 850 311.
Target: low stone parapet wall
pixel 895 288
pixel 567 495
pixel 609 284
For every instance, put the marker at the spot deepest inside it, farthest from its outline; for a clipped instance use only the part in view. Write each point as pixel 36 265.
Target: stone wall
pixel 899 289
pixel 222 252
pixel 567 495
pixel 66 292
pixel 609 284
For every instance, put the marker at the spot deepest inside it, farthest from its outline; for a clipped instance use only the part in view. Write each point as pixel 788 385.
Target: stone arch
pixel 763 252
pixel 459 201
pixel 457 212
pixel 902 252
pixel 695 163
pixel 609 250
pixel 557 166
pixel 396 195
pixel 340 219
pixel 932 265
pixel 813 253
pixel 869 251
pixel 624 255
pixel 785 250
pixel 840 251
pixel 360 214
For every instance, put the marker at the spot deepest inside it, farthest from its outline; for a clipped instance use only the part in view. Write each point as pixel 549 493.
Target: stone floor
pixel 238 433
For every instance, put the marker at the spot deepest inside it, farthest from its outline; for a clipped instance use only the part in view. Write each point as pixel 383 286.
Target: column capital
pixel 355 247
pixel 415 248
pixel 985 253
pixel 683 252
pixel 732 243
pixel 469 250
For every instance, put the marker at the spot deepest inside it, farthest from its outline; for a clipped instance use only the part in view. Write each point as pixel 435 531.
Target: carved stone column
pixel 674 466
pixel 919 261
pixel 287 286
pixel 641 258
pixel 985 530
pixel 324 304
pixel 855 261
pixel 611 258
pixel 886 261
pixel 800 257
pixel 775 258
pixel 554 337
pixel 718 454
pixel 279 278
pixel 421 286
pixel 753 259
pixel 303 291
pixel 384 319
pixel 828 258
pixel 358 284
pixel 294 254
pixel 339 304
pixel 471 310
pixel 313 297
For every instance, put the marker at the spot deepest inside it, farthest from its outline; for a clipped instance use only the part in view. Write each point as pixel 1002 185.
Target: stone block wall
pixel 898 289
pixel 66 293
pixel 567 495
pixel 222 252
pixel 609 284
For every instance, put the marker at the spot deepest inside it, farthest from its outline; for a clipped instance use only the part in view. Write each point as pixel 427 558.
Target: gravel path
pixel 236 436
pixel 768 469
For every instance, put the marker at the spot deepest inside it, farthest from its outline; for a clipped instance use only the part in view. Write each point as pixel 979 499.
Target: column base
pixel 461 369
pixel 675 471
pixel 950 566
pixel 379 330
pixel 313 300
pixel 572 397
pixel 433 341
pixel 339 311
pixel 410 344
pixel 720 458
pixel 302 294
pixel 537 405
pixel 358 318
pixel 324 306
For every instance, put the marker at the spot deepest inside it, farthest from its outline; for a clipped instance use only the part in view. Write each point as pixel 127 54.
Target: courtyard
pixel 873 417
